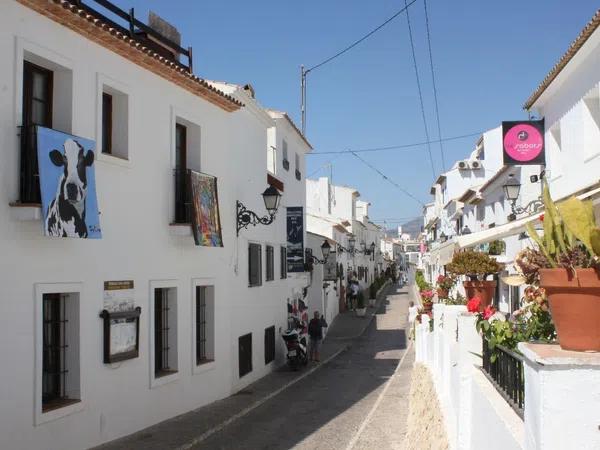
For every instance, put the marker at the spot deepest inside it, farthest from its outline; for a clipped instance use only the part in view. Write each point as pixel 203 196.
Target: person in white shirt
pixel 413 310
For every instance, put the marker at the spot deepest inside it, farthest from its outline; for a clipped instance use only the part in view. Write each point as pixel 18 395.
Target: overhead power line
pixel 397 147
pixel 435 97
pixel 414 58
pixel 388 179
pixel 355 43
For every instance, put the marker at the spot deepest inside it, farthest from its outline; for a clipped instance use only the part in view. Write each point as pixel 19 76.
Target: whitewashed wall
pixel 136 201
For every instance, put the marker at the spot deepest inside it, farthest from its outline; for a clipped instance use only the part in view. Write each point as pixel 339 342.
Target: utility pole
pixel 303 98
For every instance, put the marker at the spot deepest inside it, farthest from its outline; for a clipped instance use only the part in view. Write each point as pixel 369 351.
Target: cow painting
pixel 67 182
pixel 66 213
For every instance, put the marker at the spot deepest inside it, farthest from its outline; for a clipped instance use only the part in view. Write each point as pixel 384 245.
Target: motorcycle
pixel 295 341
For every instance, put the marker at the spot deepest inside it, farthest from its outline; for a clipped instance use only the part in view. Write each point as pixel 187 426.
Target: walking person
pixel 353 294
pixel 413 310
pixel 315 332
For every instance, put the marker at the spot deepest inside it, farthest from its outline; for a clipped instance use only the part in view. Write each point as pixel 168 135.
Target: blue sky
pixel 488 56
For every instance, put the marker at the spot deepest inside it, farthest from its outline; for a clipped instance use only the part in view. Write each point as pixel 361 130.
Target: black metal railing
pixel 298 175
pixel 29 179
pixel 506 374
pixel 183 197
pixel 136 29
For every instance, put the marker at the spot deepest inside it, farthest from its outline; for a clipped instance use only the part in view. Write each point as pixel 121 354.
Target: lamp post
pixel 372 248
pixel 512 189
pixel 245 217
pixel 325 251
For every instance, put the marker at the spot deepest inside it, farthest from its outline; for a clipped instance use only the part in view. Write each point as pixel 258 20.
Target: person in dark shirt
pixel 315 332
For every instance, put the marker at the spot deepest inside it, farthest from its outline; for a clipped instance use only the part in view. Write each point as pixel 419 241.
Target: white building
pixel 160 111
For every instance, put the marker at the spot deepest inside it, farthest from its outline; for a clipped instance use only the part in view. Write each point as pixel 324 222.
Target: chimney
pixel 166 30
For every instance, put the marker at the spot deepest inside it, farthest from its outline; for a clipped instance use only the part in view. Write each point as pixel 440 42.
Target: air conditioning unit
pixel 476 164
pixel 464 165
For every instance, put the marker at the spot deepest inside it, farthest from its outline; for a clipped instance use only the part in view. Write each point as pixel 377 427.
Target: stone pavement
pixel 193 427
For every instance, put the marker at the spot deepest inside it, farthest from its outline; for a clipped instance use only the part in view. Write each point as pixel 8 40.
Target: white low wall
pixel 475 414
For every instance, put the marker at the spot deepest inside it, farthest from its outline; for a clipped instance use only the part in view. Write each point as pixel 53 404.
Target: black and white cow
pixel 66 212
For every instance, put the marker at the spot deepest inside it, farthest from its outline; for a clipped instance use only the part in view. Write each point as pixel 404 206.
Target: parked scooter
pixel 295 341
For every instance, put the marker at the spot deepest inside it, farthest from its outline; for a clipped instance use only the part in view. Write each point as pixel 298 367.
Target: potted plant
pixel 444 284
pixel 568 261
pixel 361 309
pixel 427 300
pixel 373 293
pixel 476 266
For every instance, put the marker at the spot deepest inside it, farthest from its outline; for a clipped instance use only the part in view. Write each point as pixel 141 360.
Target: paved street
pixel 328 409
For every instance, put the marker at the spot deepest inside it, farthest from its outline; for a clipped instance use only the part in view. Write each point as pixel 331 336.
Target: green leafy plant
pixel 422 284
pixel 571 238
pixel 497 247
pixel 475 265
pixel 458 299
pixel 360 300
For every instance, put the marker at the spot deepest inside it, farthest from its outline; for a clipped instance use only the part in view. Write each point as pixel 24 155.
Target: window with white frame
pixel 59 351
pixel 254 265
pixel 204 324
pixel 114 136
pixel 270 251
pixel 283 262
pixel 284 152
pixel 164 309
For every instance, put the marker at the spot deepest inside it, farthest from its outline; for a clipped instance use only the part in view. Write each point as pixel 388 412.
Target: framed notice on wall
pixel 121 322
pixel 523 142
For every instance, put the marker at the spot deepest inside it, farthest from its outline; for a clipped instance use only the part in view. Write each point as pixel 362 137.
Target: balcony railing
pixel 506 374
pixel 29 180
pixel 183 197
pixel 136 29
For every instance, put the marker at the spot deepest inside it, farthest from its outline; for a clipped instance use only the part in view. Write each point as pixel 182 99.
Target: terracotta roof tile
pixel 587 31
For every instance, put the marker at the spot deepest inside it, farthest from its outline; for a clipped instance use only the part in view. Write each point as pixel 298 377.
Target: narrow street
pixel 340 405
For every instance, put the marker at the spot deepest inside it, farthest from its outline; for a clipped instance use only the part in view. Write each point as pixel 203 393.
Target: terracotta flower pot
pixel 442 293
pixel 482 289
pixel 574 300
pixel 427 306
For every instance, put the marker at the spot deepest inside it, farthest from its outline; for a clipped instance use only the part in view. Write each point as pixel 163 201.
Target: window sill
pixel 24 212
pixel 163 378
pixel 203 367
pixel 59 410
pixel 180 229
pixel 109 158
pixel 593 156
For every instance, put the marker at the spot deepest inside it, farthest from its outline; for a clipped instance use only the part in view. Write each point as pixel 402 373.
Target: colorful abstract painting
pixel 206 220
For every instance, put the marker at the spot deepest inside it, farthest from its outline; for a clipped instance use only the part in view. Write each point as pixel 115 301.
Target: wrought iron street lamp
pixel 245 217
pixel 325 251
pixel 512 188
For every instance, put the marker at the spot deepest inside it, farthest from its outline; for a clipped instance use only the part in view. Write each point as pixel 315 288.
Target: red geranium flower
pixel 488 312
pixel 541 217
pixel 473 304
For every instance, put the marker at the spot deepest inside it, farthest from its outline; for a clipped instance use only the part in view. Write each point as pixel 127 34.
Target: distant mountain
pixel 413 227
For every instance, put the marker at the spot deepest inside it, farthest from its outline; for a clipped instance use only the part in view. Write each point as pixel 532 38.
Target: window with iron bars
pixel 270 263
pixel 283 262
pixel 201 325
pixel 269 344
pixel 165 361
pixel 54 371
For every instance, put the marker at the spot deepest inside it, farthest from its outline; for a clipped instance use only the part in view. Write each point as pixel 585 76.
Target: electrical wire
pixel 414 58
pixel 435 96
pixel 366 36
pixel 397 147
pixel 389 180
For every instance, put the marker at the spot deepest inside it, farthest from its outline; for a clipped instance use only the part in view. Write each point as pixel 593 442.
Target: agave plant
pixel 571 238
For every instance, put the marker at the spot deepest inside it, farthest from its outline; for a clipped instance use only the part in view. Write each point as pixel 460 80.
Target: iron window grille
pixel 37 110
pixel 298 175
pixel 254 265
pixel 270 263
pixel 201 356
pixel 286 164
pixel 506 374
pixel 107 122
pixel 245 354
pixel 162 307
pixel 54 370
pixel 283 262
pixel 269 344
